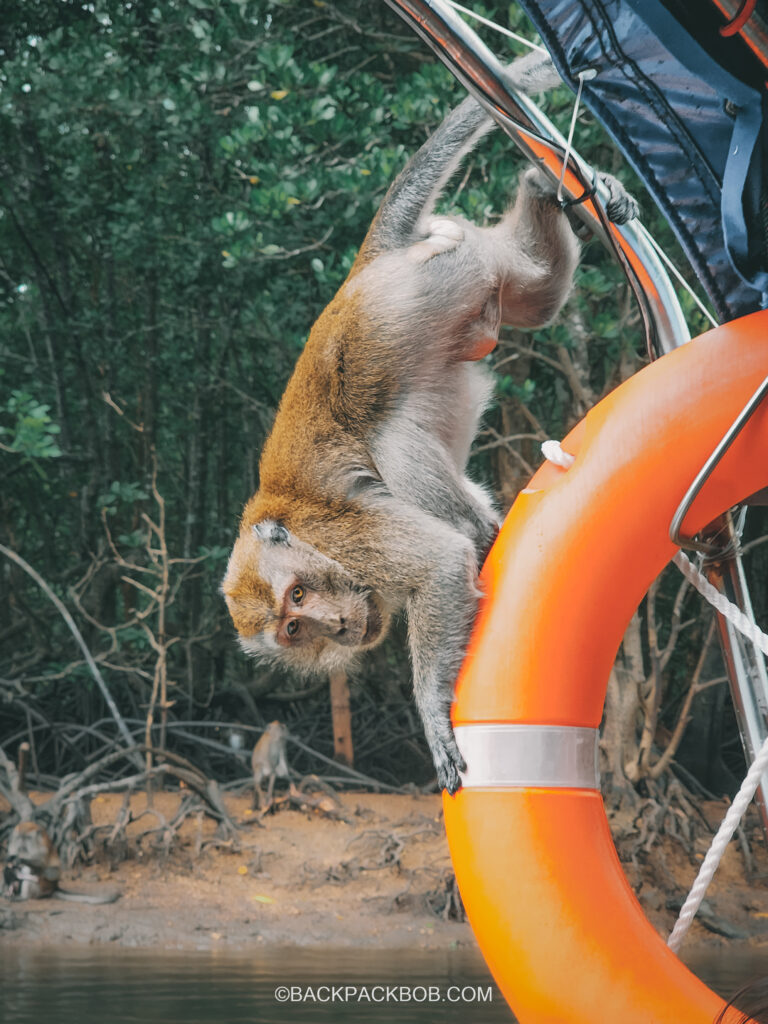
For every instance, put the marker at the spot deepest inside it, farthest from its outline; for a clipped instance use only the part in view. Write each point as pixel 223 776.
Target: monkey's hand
pixel 436 717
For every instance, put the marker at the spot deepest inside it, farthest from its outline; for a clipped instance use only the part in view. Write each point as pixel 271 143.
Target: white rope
pixel 719 845
pixel 676 274
pixel 583 75
pixel 745 625
pixel 498 28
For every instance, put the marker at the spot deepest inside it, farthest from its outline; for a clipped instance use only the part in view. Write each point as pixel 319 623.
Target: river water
pixel 99 985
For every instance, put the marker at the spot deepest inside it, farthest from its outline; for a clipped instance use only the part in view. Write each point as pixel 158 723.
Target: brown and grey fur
pixel 363 499
pixel 33 869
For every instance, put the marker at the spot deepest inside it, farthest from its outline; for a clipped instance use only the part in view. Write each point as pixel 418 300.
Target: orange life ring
pixel 554 916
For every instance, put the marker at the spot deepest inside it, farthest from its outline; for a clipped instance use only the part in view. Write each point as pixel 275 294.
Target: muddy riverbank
pixel 378 875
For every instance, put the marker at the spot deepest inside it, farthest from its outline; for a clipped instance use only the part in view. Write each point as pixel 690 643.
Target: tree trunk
pixel 342 719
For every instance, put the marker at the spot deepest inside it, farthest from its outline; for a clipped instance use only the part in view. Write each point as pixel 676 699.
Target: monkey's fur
pixel 32 869
pixel 364 507
pixel 268 761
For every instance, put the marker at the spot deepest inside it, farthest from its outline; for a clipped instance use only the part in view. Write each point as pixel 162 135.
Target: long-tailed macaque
pixel 32 869
pixel 269 761
pixel 364 507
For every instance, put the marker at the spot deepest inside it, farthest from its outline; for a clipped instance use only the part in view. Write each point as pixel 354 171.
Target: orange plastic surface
pixel 545 893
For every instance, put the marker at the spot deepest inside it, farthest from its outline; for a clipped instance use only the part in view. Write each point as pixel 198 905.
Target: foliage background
pixel 182 188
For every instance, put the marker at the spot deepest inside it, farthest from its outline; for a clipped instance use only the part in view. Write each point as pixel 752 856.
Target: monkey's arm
pixel 440 616
pixel 436 567
pixel 419 470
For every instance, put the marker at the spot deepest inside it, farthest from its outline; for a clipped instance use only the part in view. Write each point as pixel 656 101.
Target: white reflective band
pixel 528 755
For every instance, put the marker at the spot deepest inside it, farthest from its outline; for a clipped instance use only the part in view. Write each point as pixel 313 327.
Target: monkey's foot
pixel 449 764
pixel 444 234
pixel 621 206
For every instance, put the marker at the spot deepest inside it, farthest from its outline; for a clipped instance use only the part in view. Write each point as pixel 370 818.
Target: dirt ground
pixel 380 877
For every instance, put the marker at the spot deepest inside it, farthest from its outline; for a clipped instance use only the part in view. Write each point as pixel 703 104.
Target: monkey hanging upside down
pixel 364 507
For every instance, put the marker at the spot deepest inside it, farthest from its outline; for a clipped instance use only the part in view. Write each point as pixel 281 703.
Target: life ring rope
pixel 737 618
pixel 717 848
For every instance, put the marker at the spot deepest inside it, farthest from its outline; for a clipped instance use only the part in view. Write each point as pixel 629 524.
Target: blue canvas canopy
pixel 689 109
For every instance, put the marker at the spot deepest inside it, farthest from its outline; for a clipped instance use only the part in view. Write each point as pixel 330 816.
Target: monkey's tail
pixel 86 897
pixel 414 192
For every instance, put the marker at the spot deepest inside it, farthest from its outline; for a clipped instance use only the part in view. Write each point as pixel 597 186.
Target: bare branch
pixel 61 608
pixel 683 718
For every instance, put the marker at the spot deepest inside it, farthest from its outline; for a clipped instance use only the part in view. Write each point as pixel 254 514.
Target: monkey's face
pixel 30 844
pixel 292 604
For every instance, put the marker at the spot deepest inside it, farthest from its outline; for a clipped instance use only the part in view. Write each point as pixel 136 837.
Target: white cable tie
pixel 498 28
pixel 552 452
pixel 719 845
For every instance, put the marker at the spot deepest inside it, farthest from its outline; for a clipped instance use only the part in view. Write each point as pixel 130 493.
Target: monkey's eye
pixel 292 627
pixel 297 594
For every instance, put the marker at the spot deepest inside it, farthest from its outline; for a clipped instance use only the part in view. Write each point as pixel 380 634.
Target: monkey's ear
pixel 271 532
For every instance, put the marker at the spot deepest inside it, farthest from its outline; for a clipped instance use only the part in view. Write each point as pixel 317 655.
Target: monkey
pixel 32 869
pixel 268 761
pixel 364 508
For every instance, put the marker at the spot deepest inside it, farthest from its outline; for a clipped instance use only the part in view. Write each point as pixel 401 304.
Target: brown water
pixel 103 986
pixel 117 986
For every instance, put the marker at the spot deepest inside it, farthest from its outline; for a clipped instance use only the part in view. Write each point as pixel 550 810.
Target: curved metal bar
pixel 707 547
pixel 476 67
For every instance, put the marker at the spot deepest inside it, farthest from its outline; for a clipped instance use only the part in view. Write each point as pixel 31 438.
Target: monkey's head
pixel 276 731
pixel 30 843
pixel 292 604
